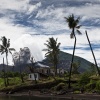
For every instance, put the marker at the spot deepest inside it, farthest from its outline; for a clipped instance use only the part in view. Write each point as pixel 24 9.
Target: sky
pixel 29 23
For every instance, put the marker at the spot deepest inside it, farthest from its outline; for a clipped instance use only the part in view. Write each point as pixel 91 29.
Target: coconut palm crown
pixel 5 48
pixel 73 24
pixel 53 52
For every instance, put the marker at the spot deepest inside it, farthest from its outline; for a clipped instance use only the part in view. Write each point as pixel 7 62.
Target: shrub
pixel 91 85
pixel 60 86
pixel 98 85
pixel 84 79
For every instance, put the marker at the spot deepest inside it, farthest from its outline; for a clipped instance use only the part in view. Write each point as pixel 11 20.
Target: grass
pixel 16 82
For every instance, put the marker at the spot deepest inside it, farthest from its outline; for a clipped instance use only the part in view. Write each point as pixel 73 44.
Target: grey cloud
pixel 22 57
pixel 85 47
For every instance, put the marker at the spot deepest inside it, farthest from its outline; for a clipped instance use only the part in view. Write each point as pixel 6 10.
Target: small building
pixel 33 76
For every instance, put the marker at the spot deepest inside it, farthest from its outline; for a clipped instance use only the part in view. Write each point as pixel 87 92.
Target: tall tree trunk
pixel 7 71
pixel 4 74
pixel 35 78
pixel 55 64
pixel 13 66
pixel 93 53
pixel 55 68
pixel 33 71
pixel 70 71
pixel 21 75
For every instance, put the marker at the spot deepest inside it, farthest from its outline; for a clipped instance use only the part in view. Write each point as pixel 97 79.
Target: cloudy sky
pixel 29 23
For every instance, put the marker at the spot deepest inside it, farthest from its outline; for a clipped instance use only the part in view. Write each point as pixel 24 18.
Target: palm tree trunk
pixel 93 53
pixel 13 62
pixel 33 72
pixel 35 78
pixel 69 81
pixel 55 67
pixel 7 70
pixel 4 74
pixel 21 75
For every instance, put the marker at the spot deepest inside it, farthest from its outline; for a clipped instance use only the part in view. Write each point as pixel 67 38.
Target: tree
pixel 5 48
pixel 93 53
pixel 53 52
pixel 75 68
pixel 32 68
pixel 21 74
pixel 73 25
pixel 92 69
pixel 4 74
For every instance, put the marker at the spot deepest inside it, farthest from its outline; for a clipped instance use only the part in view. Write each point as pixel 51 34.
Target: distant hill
pixel 65 59
pixel 64 62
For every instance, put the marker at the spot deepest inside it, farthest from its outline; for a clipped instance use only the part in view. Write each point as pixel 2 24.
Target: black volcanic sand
pixel 72 96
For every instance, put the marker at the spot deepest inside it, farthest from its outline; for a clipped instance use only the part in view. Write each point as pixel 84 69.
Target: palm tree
pixel 21 74
pixel 5 48
pixel 53 52
pixel 4 74
pixel 32 68
pixel 93 54
pixel 73 25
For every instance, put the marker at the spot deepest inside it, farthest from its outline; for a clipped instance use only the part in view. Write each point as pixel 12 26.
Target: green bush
pixel 98 85
pixel 77 92
pixel 84 79
pixel 91 85
pixel 60 86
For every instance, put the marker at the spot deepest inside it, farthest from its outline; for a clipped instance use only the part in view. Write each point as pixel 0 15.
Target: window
pixel 30 76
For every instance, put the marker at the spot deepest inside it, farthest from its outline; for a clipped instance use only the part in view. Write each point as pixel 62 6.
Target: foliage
pixel 60 86
pixel 12 74
pixel 98 85
pixel 93 69
pixel 76 92
pixel 73 24
pixel 53 52
pixel 75 68
pixel 84 79
pixel 91 85
pixel 5 48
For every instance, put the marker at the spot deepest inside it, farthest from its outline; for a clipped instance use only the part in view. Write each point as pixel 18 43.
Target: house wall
pixel 49 71
pixel 32 77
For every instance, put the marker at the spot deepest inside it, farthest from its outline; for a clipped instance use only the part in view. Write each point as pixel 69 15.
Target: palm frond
pixel 2 52
pixel 78 32
pixel 11 49
pixel 10 52
pixel 78 26
pixel 77 20
pixel 8 43
pixel 44 49
pixel 4 41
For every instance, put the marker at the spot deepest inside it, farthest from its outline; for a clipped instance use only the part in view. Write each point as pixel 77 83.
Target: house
pixel 59 71
pixel 37 76
pixel 42 71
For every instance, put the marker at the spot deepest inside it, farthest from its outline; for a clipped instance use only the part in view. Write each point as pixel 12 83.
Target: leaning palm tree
pixel 93 53
pixel 73 25
pixel 53 52
pixel 5 48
